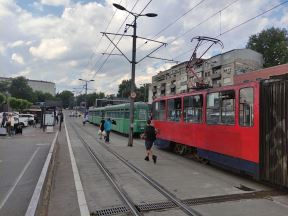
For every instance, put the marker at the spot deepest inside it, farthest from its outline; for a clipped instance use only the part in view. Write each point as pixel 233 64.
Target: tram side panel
pixel 235 145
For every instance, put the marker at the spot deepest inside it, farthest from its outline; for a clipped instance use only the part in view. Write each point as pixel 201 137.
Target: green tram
pixel 121 114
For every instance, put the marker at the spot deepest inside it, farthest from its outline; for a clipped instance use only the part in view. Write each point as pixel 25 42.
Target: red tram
pixel 231 126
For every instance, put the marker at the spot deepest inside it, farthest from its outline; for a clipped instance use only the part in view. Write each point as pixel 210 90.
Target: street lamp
pixel 86 82
pixel 133 62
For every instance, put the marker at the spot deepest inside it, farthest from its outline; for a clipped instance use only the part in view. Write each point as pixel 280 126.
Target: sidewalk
pixel 63 197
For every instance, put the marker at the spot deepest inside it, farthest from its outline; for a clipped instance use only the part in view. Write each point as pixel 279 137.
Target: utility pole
pixel 86 85
pixel 133 61
pixel 132 93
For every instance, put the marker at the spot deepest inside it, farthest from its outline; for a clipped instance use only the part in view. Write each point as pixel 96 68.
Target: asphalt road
pixel 21 160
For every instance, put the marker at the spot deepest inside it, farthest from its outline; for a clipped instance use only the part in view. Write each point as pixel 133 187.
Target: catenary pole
pixel 132 93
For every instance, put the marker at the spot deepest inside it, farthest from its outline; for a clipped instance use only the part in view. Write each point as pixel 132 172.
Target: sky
pixel 61 40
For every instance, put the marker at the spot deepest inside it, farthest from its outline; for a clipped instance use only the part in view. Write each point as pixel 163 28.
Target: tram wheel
pixel 179 149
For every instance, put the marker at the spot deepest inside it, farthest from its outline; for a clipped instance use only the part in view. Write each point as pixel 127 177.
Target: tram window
pixel 221 108
pixel 127 114
pixel 246 100
pixel 159 110
pixel 142 114
pixel 174 109
pixel 193 107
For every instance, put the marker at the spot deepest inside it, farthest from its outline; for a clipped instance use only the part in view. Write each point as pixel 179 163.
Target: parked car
pixel 29 118
pixel 23 121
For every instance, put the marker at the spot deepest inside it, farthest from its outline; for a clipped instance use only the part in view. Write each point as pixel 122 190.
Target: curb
pixel 39 194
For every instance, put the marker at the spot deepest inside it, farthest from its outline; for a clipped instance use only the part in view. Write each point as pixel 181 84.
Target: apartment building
pixel 216 71
pixel 37 85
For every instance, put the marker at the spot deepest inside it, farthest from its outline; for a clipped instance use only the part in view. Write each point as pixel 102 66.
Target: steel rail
pixel 185 208
pixel 128 202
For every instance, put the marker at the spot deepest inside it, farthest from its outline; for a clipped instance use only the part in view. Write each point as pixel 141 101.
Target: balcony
pixel 216 75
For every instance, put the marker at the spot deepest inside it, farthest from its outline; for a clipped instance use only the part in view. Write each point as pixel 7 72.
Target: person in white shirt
pixel 10 124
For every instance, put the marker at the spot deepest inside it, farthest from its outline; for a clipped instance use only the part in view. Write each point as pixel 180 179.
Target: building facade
pixel 37 85
pixel 261 74
pixel 216 71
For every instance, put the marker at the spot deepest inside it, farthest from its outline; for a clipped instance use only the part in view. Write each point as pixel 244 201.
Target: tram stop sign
pixel 133 95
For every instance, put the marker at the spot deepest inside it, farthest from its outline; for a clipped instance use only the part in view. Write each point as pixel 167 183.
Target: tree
pixel 124 89
pixel 142 93
pixel 2 98
pixel 19 88
pixel 67 98
pixel 42 97
pixel 272 44
pixel 91 98
pixel 15 103
pixel 4 86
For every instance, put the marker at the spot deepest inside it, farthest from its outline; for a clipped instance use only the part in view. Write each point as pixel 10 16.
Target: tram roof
pixel 137 105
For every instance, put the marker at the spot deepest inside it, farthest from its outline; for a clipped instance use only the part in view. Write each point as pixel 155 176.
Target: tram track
pixel 129 204
pixel 165 205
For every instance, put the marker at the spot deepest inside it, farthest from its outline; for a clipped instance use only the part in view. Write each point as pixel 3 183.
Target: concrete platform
pixel 182 176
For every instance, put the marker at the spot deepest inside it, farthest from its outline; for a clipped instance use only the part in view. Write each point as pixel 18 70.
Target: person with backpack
pixel 107 128
pixel 150 136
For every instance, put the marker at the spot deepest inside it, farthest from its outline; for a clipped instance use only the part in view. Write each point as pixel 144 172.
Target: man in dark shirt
pixel 150 137
pixel 61 119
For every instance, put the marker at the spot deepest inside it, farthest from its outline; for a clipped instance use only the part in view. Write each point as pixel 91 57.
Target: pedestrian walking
pixel 85 119
pixel 61 119
pixel 150 136
pixel 4 119
pixel 57 119
pixel 107 128
pixel 102 122
pixel 10 124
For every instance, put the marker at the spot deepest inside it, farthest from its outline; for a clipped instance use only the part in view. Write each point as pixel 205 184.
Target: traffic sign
pixel 133 95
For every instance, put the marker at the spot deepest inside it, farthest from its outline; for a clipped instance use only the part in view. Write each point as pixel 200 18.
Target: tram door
pixel 274 131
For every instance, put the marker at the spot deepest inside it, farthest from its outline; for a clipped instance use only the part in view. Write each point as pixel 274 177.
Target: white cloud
pixel 17 43
pixel 60 46
pixel 17 58
pixel 2 49
pixel 25 72
pixel 55 2
pixel 50 49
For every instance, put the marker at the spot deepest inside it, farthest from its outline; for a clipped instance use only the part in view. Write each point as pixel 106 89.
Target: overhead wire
pixel 101 66
pixel 240 24
pixel 93 53
pixel 173 22
pixel 208 18
pixel 204 21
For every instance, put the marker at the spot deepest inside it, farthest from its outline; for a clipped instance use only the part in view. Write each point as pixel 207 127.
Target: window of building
pixel 174 109
pixel 227 70
pixel 246 100
pixel 221 107
pixel 158 110
pixel 193 108
pixel 163 88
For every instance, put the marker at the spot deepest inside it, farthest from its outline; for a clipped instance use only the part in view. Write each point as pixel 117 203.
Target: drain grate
pixel 191 202
pixel 110 211
pixel 156 206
